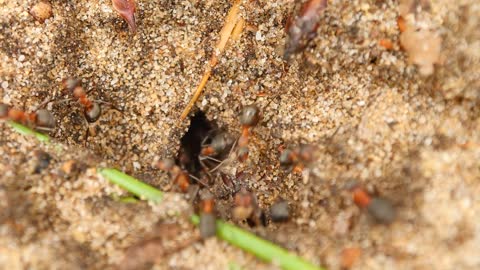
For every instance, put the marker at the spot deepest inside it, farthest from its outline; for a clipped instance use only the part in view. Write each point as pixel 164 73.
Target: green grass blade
pixel 29 132
pixel 132 185
pixel 261 248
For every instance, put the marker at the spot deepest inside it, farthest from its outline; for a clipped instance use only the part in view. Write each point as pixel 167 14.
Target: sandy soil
pixel 410 138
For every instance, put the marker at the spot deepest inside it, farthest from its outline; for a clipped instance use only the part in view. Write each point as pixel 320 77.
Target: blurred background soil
pixel 375 113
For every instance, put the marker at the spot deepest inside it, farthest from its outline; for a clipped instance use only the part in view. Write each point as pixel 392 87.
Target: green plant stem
pixel 261 248
pixel 29 132
pixel 131 184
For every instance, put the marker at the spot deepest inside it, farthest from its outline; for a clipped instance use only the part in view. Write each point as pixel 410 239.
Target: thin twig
pixel 230 22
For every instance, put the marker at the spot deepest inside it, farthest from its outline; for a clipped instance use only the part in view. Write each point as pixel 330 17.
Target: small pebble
pixel 41 11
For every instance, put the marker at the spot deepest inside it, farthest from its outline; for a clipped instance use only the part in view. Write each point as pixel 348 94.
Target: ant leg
pixel 218 166
pixel 223 161
pixel 41 105
pixel 198 180
pixel 203 144
pixel 86 137
pixel 87 132
pixel 63 100
pixel 205 167
pixel 109 104
pixel 212 159
pixel 44 129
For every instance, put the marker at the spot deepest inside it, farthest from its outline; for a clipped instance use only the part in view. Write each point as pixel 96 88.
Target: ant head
pixel 45 119
pixel 286 160
pixel 4 110
pixel 166 164
pixel 352 184
pixel 71 83
pixel 250 116
pixel 93 113
pixel 243 198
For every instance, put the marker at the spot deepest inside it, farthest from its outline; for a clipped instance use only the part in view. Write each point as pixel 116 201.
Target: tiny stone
pixel 41 11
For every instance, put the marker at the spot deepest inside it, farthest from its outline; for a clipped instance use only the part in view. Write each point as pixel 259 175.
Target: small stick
pixel 230 22
pixel 237 31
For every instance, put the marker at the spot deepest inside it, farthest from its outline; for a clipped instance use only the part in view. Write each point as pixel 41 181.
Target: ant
pixel 249 118
pixel 42 120
pixel 216 151
pixel 126 10
pixel 380 209
pixel 219 144
pixel 246 208
pixel 297 158
pixel 304 27
pixel 92 109
pixel 178 175
pixel 208 226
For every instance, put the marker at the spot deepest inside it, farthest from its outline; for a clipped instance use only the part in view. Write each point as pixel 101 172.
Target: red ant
pixel 178 175
pixel 304 27
pixel 217 151
pixel 208 226
pixel 92 109
pixel 219 144
pixel 249 118
pixel 244 203
pixel 297 158
pixel 380 209
pixel 126 10
pixel 246 208
pixel 40 120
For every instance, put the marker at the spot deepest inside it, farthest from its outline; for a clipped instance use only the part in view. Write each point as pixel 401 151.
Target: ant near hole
pixel 216 151
pixel 92 109
pixel 249 118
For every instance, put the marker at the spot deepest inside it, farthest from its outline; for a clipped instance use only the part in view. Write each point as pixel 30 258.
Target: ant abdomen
pixel 45 119
pixel 221 142
pixel 93 113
